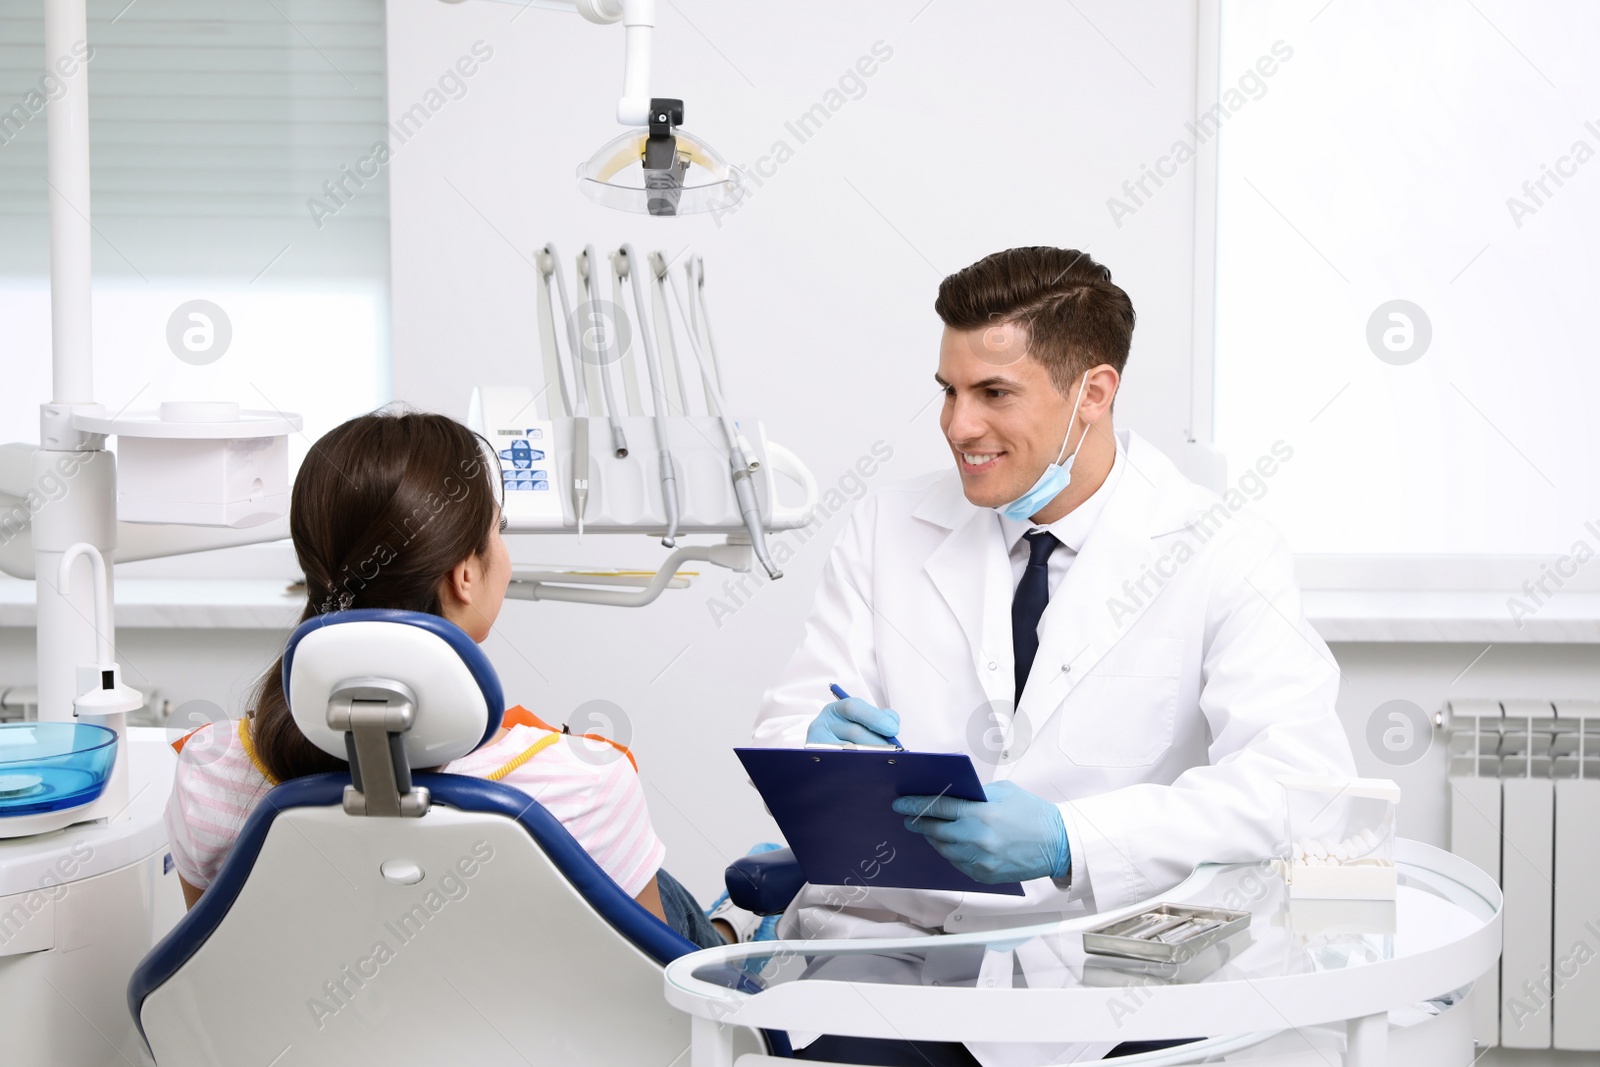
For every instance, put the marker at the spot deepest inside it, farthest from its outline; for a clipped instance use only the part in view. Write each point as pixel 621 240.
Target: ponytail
pixel 384 507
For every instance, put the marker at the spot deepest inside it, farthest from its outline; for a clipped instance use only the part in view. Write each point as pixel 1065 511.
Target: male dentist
pixel 1125 658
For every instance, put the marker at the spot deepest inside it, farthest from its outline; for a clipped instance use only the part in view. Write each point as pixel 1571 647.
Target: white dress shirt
pixel 1072 529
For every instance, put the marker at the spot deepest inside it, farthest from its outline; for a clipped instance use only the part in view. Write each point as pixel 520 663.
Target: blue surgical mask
pixel 1055 478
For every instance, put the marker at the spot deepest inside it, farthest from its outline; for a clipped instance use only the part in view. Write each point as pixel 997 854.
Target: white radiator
pixel 1525 806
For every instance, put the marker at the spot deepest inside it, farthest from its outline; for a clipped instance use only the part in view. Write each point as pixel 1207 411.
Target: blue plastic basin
pixel 52 766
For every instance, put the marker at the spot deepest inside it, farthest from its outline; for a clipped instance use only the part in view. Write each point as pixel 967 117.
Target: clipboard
pixel 833 807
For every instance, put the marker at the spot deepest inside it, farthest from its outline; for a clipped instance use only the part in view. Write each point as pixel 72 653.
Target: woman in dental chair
pixel 401 510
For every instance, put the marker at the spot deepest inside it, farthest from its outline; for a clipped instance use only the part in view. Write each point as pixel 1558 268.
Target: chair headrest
pixel 459 702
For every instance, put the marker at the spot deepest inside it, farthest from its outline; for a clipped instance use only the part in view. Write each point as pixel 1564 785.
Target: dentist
pixel 1125 658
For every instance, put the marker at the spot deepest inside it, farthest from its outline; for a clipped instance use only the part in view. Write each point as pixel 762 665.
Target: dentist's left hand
pixel 1012 837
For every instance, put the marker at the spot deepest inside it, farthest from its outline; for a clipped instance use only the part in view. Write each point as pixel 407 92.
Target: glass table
pixel 1027 990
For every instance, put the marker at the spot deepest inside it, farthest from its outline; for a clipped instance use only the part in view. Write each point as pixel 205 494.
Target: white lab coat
pixel 1176 679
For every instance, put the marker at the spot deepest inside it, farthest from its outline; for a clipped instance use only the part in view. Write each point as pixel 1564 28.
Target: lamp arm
pixel 638 17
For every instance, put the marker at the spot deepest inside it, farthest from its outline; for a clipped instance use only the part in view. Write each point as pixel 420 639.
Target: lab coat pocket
pixel 1124 712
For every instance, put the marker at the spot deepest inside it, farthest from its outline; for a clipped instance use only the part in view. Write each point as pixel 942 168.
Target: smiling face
pixel 1004 420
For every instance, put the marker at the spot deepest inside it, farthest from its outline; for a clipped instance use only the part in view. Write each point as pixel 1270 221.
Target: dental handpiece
pixel 580 463
pixel 556 369
pixel 598 339
pixel 580 415
pixel 744 491
pixel 696 271
pixel 669 477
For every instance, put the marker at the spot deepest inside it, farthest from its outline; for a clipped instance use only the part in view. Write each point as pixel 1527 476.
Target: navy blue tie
pixel 1027 606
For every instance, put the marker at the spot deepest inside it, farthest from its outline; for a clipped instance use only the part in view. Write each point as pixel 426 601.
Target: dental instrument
pixel 738 457
pixel 597 340
pixel 625 358
pixel 550 264
pixel 669 478
pixel 699 494
pixel 694 321
pixel 556 371
pixel 695 269
pixel 1166 933
pixel 666 341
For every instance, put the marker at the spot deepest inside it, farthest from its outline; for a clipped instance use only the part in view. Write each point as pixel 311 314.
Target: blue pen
pixel 842 695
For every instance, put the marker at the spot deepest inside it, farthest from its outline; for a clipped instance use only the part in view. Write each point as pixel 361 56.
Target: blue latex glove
pixel 853 721
pixel 1012 838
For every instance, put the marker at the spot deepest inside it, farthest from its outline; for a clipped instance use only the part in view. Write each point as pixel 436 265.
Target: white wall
pixel 989 126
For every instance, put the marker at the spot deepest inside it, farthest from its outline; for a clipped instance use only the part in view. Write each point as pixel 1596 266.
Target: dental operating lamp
pixel 656 167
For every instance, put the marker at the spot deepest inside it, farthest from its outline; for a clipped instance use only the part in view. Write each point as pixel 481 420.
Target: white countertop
pixel 179 603
pixel 1472 617
pixel 1340 615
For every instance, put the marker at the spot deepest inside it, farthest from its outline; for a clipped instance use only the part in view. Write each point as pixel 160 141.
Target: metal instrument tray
pixel 1140 936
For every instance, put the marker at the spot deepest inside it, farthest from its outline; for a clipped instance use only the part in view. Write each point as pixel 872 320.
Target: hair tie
pixel 344 602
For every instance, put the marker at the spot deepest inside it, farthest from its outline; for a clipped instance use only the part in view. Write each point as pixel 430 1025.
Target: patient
pixel 401 511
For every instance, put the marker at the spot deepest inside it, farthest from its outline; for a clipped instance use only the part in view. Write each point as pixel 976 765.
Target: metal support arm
pixel 538 586
pixel 374 714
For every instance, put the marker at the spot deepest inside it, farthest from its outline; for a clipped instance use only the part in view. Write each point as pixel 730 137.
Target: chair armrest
pixel 764 883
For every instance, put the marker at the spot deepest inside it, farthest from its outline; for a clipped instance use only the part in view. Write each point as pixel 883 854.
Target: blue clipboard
pixel 833 807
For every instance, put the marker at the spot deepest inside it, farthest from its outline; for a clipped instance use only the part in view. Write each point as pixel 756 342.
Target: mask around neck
pixel 1056 477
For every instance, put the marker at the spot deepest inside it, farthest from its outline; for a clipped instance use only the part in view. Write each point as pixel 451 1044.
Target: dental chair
pixel 392 916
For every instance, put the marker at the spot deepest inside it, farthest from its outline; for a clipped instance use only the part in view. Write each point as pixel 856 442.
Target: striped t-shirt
pixel 588 784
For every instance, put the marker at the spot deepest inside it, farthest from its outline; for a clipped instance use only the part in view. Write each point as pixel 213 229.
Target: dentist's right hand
pixel 853 721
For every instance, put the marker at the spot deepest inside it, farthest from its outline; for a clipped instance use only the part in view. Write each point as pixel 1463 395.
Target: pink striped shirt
pixel 592 788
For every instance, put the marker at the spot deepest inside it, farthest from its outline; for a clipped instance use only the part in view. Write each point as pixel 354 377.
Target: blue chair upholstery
pixel 764 883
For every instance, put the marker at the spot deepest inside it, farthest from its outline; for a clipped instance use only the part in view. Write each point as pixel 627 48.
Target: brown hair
pixel 383 507
pixel 1062 299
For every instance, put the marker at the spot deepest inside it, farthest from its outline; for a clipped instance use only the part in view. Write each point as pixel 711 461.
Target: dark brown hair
pixel 383 507
pixel 1062 299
